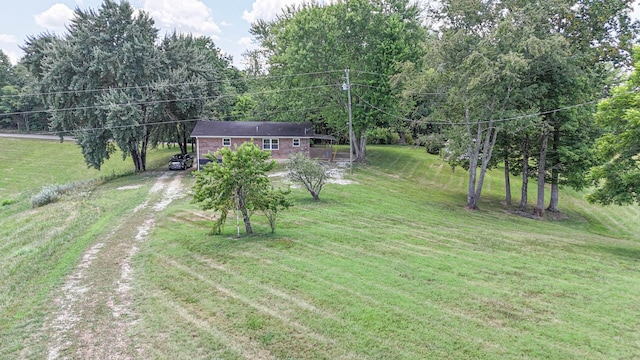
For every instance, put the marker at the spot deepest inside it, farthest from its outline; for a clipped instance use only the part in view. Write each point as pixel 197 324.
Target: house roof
pixel 206 128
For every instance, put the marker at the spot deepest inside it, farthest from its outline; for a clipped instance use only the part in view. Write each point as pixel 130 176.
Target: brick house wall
pixel 206 145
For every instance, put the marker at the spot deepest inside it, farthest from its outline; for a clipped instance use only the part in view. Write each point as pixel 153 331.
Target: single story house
pixel 281 138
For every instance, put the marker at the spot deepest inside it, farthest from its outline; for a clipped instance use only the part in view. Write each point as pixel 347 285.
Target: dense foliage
pixel 520 76
pixel 306 47
pixel 617 179
pixel 239 182
pixel 110 81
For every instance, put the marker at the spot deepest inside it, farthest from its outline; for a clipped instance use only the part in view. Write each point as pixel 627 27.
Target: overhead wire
pixel 547 112
pixel 254 116
pixel 160 101
pixel 186 83
pixel 361 98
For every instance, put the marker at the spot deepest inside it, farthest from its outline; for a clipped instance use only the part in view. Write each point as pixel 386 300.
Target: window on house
pixel 296 142
pixel 269 144
pixel 226 142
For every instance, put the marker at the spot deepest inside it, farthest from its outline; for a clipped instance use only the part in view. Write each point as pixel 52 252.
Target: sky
pixel 227 22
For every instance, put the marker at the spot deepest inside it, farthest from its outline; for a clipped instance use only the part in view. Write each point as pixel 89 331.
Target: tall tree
pixel 308 45
pixel 98 81
pixel 595 35
pixel 193 77
pixel 617 179
pixel 476 76
pixel 5 69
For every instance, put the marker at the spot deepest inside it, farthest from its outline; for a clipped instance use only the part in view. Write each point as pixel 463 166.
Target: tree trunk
pixel 555 173
pixel 182 134
pixel 359 146
pixel 539 210
pixel 403 137
pixel 507 177
pixel 473 153
pixel 525 174
pixel 553 201
pixel 490 138
pixel 243 209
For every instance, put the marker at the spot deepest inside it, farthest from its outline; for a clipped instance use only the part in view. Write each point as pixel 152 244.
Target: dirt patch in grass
pixel 92 313
pixel 336 175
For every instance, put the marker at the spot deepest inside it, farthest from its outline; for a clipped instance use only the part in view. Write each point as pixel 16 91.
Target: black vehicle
pixel 180 162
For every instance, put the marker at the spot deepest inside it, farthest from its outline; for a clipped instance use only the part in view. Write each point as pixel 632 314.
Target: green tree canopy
pixel 110 82
pixel 238 182
pixel 617 179
pixel 307 47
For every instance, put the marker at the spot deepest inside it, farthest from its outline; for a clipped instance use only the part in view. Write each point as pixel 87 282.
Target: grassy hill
pixel 391 266
pixel 29 164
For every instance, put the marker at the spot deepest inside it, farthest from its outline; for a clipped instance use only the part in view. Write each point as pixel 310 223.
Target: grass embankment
pixel 389 267
pixel 29 164
pixel 394 267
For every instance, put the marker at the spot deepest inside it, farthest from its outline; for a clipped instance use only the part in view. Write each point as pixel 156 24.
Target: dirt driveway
pixel 94 303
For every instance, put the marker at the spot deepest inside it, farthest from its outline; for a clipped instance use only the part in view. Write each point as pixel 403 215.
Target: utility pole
pixel 347 86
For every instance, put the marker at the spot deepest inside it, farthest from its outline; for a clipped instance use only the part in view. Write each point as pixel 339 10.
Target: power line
pixel 382 88
pixel 482 121
pixel 160 85
pixel 150 102
pixel 255 116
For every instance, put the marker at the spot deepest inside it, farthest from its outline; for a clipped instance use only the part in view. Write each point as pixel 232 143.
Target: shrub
pixel 308 172
pixel 383 136
pixel 51 193
pixel 6 202
pixel 433 143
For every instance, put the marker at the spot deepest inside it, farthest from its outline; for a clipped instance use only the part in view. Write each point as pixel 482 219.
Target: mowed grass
pixel 391 267
pixel 39 247
pixel 394 267
pixel 30 164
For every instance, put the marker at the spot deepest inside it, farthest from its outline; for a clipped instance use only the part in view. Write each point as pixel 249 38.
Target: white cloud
pixel 14 55
pixel 245 41
pixel 55 17
pixel 225 24
pixel 190 16
pixel 267 9
pixel 8 39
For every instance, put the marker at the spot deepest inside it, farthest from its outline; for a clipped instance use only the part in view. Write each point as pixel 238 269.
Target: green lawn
pixel 390 267
pixel 29 164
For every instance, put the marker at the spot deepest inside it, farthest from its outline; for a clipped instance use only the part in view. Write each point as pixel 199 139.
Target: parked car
pixel 180 162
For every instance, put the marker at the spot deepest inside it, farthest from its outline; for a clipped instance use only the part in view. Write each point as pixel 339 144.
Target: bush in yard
pixel 433 143
pixel 272 202
pixel 308 172
pixel 7 202
pixel 51 193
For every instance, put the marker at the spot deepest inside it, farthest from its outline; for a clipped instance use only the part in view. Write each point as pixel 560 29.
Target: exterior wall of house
pixel 285 146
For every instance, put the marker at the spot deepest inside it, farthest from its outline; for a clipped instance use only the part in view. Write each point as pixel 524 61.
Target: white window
pixel 226 142
pixel 269 144
pixel 296 142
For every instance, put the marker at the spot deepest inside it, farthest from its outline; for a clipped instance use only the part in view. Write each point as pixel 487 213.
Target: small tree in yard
pixel 272 202
pixel 239 182
pixel 310 173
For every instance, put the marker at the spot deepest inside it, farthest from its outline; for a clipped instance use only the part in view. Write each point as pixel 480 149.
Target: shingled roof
pixel 252 129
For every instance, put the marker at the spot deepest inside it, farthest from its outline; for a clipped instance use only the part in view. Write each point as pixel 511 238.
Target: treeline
pixel 111 82
pixel 483 81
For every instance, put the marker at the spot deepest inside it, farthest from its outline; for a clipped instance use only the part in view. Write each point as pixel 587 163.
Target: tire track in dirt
pixel 93 312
